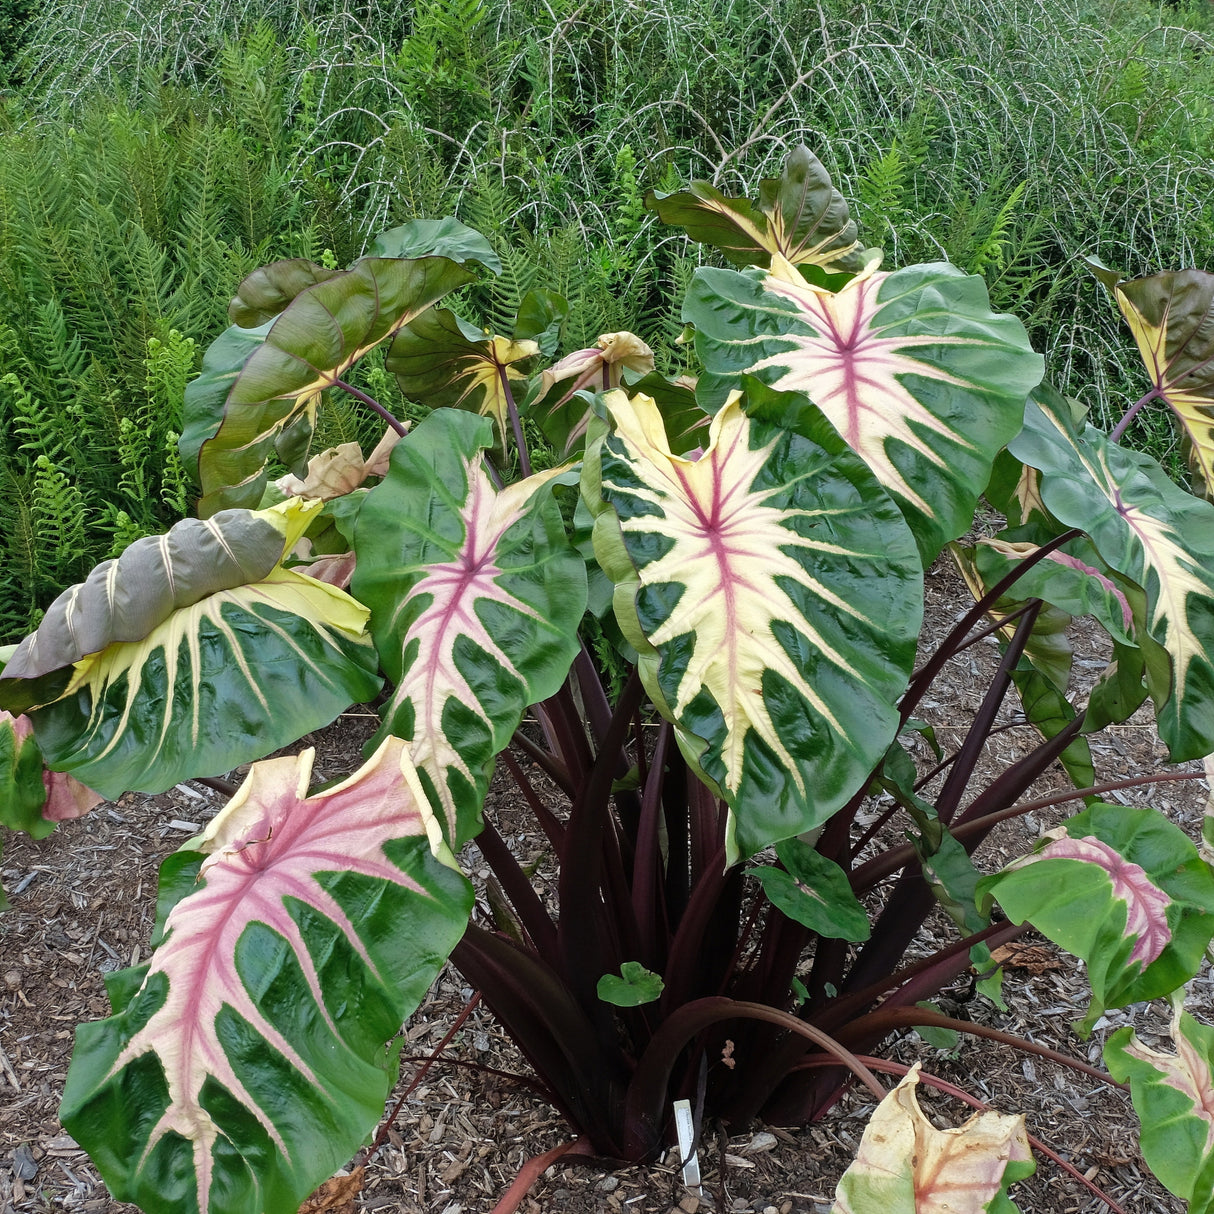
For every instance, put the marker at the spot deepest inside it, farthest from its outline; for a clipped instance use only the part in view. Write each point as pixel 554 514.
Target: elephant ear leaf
pixel 475 595
pixel 272 404
pixel 801 216
pixel 192 652
pixel 907 1166
pixel 256 1039
pixel 1150 532
pixel 268 290
pixel 1172 318
pixel 1125 890
pixel 439 359
pixel 1173 1095
pixel 733 582
pixel 913 369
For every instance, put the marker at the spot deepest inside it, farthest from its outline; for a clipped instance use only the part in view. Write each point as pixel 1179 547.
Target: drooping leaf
pixel 1125 890
pixel 475 595
pixel 1172 318
pixel 735 582
pixel 1120 690
pixel 1173 1095
pixel 250 1064
pixel 441 360
pixel 272 405
pixel 191 653
pixel 800 216
pixel 267 291
pixel 339 470
pixel 1150 532
pixel 633 986
pixel 444 237
pixel 813 891
pixel 912 368
pixel 907 1166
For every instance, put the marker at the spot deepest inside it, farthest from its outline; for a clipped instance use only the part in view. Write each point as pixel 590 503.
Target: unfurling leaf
pixel 633 986
pixel 801 217
pixel 907 1166
pixel 1125 890
pixel 1173 1095
pixel 734 582
pixel 256 1038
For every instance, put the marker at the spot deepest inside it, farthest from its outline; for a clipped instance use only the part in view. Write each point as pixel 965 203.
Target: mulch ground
pixel 83 903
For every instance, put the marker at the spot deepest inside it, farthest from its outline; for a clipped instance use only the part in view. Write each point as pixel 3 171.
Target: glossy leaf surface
pixel 813 891
pixel 916 373
pixel 1152 533
pixel 801 216
pixel 736 580
pixel 1173 1095
pixel 1125 890
pixel 269 289
pixel 907 1166
pixel 250 1063
pixel 272 405
pixel 475 597
pixel 194 652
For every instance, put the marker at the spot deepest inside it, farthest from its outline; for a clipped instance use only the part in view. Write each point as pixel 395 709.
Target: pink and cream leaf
pixel 1173 1095
pixel 1125 890
pixel 905 1165
pixel 315 926
pixel 732 580
pixel 912 369
pixel 475 597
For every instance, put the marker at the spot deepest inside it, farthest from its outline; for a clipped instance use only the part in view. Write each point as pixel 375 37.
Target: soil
pixel 83 903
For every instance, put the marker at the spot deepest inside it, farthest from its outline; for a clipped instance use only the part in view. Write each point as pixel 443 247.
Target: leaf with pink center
pixel 250 1063
pixel 1155 536
pixel 476 596
pixel 912 368
pixel 905 1165
pixel 1125 890
pixel 735 581
pixel 1173 1095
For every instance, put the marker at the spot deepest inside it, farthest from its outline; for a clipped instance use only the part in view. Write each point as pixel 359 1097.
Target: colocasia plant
pixel 747 849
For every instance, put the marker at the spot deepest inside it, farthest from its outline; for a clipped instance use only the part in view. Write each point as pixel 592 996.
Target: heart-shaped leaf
pixel 813 891
pixel 633 986
pixel 912 368
pixel 250 1063
pixel 476 596
pixel 735 581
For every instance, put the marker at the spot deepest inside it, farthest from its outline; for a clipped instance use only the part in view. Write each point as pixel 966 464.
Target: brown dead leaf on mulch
pixel 336 1196
pixel 1033 958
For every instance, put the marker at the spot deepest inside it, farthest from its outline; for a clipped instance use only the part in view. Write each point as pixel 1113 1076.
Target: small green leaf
pixel 813 891
pixel 634 985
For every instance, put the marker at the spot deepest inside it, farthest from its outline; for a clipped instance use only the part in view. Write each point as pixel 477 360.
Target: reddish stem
pixel 532 1170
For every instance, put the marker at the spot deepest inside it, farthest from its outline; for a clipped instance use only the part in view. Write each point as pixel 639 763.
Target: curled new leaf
pixel 801 216
pixel 907 1166
pixel 734 581
pixel 256 1040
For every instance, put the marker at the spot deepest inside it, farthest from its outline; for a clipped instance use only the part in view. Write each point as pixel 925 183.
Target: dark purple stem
pixel 524 459
pixel 373 404
pixel 1131 413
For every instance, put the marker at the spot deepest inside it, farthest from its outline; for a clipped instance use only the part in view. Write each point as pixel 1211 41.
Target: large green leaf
pixel 272 405
pixel 250 1063
pixel 269 289
pixel 476 596
pixel 1172 318
pixel 191 653
pixel 1173 1095
pixel 774 594
pixel 444 237
pixel 1154 534
pixel 801 216
pixel 1125 890
pixel 912 368
pixel 439 359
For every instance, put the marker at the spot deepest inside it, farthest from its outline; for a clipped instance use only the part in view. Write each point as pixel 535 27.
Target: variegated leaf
pixel 272 405
pixel 1172 318
pixel 193 652
pixel 801 217
pixel 912 368
pixel 439 359
pixel 250 1063
pixel 1154 534
pixel 476 596
pixel 907 1166
pixel 1125 890
pixel 735 580
pixel 1173 1095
